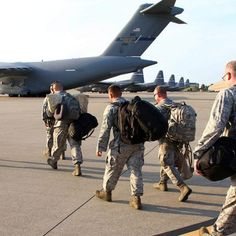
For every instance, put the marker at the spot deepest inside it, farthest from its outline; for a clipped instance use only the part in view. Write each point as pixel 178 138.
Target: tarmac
pixel 37 200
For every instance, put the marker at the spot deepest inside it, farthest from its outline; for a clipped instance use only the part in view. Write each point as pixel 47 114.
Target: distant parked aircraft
pixel 187 84
pixel 173 86
pixel 102 87
pixel 122 56
pixel 181 84
pixel 159 80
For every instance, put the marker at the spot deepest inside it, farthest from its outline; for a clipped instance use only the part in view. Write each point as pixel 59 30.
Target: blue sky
pixel 32 30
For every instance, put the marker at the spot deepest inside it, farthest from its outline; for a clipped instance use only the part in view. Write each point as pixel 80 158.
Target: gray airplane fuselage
pixel 72 73
pixel 120 57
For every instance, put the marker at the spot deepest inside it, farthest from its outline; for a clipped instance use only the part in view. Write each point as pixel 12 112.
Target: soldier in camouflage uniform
pixel 119 154
pixel 169 153
pixel 222 121
pixel 60 134
pixel 49 123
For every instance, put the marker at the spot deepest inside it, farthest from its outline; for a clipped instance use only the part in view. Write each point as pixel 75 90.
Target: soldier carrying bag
pixel 219 161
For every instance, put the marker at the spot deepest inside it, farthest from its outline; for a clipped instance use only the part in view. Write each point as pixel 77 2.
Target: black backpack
pixel 83 127
pixel 140 121
pixel 219 161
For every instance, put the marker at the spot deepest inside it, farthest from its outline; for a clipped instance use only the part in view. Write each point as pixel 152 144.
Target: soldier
pixel 222 121
pixel 49 123
pixel 169 153
pixel 60 134
pixel 119 153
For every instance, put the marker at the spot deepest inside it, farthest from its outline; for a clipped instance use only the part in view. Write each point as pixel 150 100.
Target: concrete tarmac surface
pixel 37 200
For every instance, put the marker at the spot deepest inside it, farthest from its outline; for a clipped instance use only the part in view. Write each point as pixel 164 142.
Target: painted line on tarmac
pixel 83 204
pixel 188 229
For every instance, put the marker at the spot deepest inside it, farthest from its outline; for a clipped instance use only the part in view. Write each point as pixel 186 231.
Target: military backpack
pixel 68 109
pixel 140 121
pixel 181 122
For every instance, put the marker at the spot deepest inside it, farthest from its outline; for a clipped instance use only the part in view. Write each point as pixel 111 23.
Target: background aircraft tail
pixel 181 82
pixel 138 77
pixel 171 81
pixel 187 83
pixel 159 78
pixel 143 28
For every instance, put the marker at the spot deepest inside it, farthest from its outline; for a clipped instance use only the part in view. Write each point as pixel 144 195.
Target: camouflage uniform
pixel 60 135
pixel 119 153
pixel 49 123
pixel 222 121
pixel 169 153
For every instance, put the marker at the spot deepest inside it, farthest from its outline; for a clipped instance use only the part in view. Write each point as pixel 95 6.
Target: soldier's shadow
pixel 175 210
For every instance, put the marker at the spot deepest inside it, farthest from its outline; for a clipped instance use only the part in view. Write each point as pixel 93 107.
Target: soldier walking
pixel 119 153
pixel 222 121
pixel 169 153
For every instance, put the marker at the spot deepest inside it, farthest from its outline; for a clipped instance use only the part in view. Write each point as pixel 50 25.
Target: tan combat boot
pixel 77 170
pixel 104 195
pixel 62 157
pixel 46 153
pixel 185 191
pixel 161 186
pixel 203 231
pixel 135 202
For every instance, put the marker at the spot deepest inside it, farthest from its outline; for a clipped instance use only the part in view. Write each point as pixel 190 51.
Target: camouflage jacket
pixel 47 117
pixel 162 108
pixel 109 122
pixel 165 112
pixel 222 121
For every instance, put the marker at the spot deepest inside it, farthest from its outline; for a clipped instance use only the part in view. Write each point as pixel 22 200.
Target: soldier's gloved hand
pixel 98 153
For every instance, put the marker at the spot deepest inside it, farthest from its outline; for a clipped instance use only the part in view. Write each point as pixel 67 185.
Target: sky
pixel 35 30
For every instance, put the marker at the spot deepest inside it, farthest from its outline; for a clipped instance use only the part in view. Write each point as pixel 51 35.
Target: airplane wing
pixel 14 70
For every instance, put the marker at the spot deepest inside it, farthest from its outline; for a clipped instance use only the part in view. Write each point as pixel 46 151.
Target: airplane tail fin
pixel 171 81
pixel 143 28
pixel 138 77
pixel 181 82
pixel 159 78
pixel 187 83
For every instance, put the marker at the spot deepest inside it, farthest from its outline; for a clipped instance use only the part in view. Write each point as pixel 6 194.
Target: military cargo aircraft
pixel 187 83
pixel 102 87
pixel 122 56
pixel 173 86
pixel 149 87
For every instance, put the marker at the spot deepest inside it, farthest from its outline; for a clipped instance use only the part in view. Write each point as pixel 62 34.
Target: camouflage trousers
pixel 170 160
pixel 226 221
pixel 60 135
pixel 117 157
pixel 49 138
pixel 76 152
